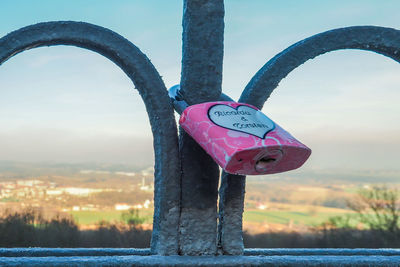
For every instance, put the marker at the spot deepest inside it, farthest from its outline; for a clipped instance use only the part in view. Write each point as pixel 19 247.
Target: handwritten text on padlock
pixel 243 118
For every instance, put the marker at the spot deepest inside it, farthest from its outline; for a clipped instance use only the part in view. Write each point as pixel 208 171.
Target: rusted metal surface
pixel 153 92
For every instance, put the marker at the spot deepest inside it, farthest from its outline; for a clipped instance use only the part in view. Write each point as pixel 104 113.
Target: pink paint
pixel 241 139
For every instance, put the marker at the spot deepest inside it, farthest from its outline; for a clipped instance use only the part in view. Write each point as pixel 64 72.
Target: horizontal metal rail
pixel 253 257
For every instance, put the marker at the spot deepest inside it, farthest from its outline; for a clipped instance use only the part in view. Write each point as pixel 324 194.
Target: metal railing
pixel 186 216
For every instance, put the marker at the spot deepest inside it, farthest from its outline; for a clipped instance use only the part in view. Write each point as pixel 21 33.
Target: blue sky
pixel 69 104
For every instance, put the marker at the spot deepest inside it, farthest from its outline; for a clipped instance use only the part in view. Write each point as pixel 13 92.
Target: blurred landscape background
pixel 110 205
pixel 76 145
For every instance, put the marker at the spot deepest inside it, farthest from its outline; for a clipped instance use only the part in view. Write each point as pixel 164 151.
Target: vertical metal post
pixel 231 206
pixel 203 28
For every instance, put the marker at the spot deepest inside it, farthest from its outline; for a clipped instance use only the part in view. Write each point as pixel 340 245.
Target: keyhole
pixel 263 163
pixel 266 160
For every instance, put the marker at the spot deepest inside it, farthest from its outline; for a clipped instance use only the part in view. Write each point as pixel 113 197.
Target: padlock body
pixel 241 139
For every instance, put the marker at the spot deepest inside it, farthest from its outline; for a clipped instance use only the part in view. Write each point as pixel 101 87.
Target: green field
pixel 284 217
pixel 93 217
pixel 256 216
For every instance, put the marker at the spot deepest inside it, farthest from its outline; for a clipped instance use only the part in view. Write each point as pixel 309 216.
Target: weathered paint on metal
pixel 322 251
pixel 231 207
pixel 262 257
pixel 202 54
pixel 69 252
pixel 202 50
pixel 154 94
pixel 64 252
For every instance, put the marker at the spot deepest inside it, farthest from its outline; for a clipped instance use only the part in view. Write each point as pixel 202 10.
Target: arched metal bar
pixel 385 41
pixel 154 94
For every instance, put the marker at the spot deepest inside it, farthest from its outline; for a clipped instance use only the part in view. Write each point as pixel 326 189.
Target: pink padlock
pixel 241 139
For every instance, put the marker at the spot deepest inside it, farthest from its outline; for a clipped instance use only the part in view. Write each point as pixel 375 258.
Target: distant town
pixel 93 193
pixel 79 193
pixel 35 192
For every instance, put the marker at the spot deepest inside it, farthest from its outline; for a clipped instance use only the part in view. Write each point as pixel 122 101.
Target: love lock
pixel 239 137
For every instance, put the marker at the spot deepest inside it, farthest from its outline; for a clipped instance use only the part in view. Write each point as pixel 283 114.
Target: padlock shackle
pixel 180 104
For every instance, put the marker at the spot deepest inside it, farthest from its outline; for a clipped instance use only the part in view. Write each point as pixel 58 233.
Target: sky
pixel 68 104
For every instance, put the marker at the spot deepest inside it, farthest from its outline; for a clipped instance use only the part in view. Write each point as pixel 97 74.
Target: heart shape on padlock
pixel 242 119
